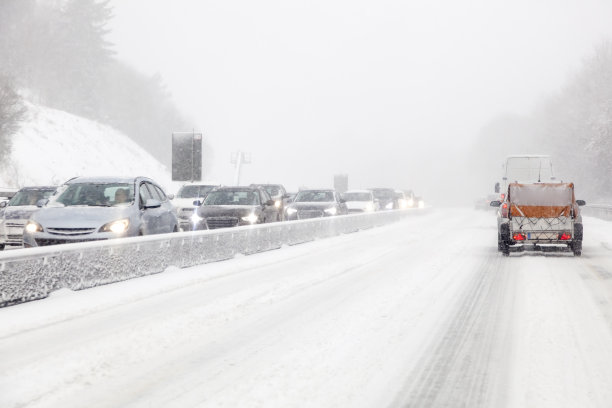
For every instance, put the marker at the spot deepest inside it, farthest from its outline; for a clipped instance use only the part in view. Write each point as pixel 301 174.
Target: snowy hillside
pixel 52 146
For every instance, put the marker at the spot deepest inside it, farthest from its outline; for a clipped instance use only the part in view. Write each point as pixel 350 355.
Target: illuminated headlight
pixel 291 211
pixel 33 226
pixel 421 204
pixel 389 206
pixel 331 211
pixel 410 202
pixel 117 227
pixel 277 203
pixel 369 207
pixel 195 218
pixel 252 218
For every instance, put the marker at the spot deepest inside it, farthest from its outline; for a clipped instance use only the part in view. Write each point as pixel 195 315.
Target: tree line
pixel 55 53
pixel 574 126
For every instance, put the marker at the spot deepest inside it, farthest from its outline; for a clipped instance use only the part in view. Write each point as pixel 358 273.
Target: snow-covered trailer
pixel 541 216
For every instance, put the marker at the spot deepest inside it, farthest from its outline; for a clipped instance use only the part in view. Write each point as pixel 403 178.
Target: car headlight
pixel 410 202
pixel 291 211
pixel 421 204
pixel 117 227
pixel 369 207
pixel 252 218
pixel 278 203
pixel 389 206
pixel 33 226
pixel 331 211
pixel 195 218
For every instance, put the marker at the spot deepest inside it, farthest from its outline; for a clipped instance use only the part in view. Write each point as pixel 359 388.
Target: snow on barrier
pixel 603 211
pixel 33 273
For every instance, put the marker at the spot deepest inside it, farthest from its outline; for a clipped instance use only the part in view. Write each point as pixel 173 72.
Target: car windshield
pixel 30 196
pixel 272 190
pixel 194 191
pixel 357 197
pixel 232 197
pixel 97 194
pixel 314 196
pixel 383 194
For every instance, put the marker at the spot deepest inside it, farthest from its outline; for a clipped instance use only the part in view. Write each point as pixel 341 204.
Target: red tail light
pixel 505 206
pixel 565 236
pixel 519 237
pixel 503 196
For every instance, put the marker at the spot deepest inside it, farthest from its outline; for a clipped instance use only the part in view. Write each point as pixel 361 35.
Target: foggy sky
pixel 392 93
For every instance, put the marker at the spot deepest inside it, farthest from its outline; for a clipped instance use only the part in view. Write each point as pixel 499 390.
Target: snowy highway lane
pixel 424 312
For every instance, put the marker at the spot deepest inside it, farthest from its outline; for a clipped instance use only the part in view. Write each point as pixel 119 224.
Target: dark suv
pixel 226 207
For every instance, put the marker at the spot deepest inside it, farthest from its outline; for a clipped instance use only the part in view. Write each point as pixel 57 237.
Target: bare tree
pixel 11 112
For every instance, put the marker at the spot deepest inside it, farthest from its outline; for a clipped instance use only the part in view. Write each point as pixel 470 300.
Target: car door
pixel 168 217
pixel 270 211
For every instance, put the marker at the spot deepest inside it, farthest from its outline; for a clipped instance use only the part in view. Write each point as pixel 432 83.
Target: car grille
pixel 186 212
pixel 70 231
pixel 221 222
pixel 304 214
pixel 16 224
pixel 15 237
pixel 49 241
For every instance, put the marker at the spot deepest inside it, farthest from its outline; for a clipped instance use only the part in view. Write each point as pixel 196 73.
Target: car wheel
pixel 175 229
pixel 1 247
pixel 577 248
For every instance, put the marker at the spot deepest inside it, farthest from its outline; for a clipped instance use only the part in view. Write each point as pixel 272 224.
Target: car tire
pixel 1 247
pixel 577 248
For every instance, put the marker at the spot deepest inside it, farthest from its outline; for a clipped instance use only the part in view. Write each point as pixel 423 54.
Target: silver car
pixel 90 209
pixel 15 213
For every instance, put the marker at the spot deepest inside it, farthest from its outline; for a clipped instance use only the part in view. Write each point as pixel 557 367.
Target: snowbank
pixel 52 146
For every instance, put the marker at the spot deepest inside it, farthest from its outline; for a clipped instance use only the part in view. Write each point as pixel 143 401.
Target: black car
pixel 226 207
pixel 387 198
pixel 315 204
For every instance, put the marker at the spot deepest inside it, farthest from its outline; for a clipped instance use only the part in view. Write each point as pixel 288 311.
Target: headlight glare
pixel 117 227
pixel 33 226
pixel 252 218
pixel 331 211
pixel 291 210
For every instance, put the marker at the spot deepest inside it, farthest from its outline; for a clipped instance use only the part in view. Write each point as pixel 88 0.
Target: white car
pixel 185 197
pixel 360 201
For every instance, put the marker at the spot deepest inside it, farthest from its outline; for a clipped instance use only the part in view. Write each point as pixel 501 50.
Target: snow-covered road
pixel 424 312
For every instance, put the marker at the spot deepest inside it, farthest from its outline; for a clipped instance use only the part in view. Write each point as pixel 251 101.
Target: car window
pixel 314 196
pixel 232 197
pixel 30 196
pixel 96 194
pixel 160 193
pixel 145 195
pixel 264 196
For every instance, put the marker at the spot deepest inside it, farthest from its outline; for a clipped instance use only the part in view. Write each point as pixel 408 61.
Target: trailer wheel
pixel 500 244
pixel 577 248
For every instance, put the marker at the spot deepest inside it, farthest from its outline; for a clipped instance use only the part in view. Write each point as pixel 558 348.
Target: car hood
pixel 79 217
pixel 357 205
pixel 21 212
pixel 313 206
pixel 183 202
pixel 226 210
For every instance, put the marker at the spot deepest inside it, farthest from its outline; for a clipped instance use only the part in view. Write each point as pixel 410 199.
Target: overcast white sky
pixel 391 92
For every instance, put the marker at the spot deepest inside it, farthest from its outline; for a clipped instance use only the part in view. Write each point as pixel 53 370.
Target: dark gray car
pixel 15 213
pixel 233 206
pixel 315 204
pixel 90 209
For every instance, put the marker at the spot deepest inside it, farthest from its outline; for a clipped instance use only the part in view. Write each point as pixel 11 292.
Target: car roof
pixel 358 191
pixel 38 188
pixel 105 179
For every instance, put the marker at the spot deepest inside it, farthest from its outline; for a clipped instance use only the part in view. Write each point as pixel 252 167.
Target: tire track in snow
pixel 457 370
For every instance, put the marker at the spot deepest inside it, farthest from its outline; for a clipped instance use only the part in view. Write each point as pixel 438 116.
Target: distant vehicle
pixel 185 197
pixel 410 199
pixel 539 216
pixel 386 197
pixel 484 203
pixel 226 207
pixel 7 193
pixel 358 201
pixel 316 204
pixel 92 209
pixel 15 213
pixel 401 199
pixel 278 193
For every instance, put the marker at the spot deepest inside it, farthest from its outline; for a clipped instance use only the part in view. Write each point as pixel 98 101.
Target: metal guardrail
pixel 33 273
pixel 603 211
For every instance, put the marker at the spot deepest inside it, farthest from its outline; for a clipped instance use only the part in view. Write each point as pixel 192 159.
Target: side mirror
pixel 342 201
pixel 3 204
pixel 270 202
pixel 197 203
pixel 41 203
pixel 170 196
pixel 495 203
pixel 580 202
pixel 152 203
